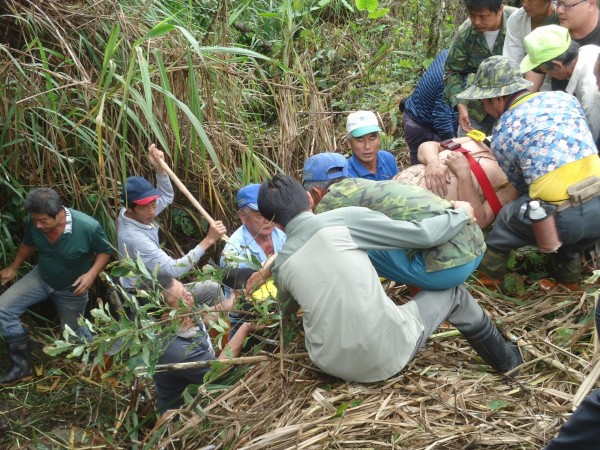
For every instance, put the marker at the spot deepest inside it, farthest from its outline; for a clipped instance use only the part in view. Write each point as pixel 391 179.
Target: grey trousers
pixel 455 305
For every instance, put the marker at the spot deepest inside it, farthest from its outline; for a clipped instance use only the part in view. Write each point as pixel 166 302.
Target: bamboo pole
pixel 230 361
pixel 188 194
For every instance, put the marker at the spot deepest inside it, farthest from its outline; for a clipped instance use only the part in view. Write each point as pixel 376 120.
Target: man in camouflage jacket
pixel 439 267
pixel 479 37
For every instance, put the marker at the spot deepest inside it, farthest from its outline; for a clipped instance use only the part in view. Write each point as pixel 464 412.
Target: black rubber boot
pixel 494 263
pixel 493 347
pixel 565 268
pixel 19 351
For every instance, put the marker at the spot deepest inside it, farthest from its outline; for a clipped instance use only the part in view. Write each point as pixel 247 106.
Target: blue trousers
pixel 30 290
pixel 396 266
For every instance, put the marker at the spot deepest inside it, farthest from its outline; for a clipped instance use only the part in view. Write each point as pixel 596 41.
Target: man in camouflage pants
pixel 439 267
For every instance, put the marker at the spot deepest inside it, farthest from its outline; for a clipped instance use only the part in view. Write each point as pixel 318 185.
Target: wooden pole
pixel 188 194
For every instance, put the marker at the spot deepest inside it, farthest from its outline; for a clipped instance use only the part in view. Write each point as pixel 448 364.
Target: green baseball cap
pixel 544 44
pixel 497 76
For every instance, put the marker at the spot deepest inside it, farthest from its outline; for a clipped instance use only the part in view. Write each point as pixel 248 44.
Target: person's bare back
pixel 455 165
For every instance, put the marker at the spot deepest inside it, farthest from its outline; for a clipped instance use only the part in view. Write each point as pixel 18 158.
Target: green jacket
pixel 469 48
pixel 412 204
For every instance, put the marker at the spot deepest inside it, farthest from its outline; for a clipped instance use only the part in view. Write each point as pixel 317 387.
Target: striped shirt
pixel 426 104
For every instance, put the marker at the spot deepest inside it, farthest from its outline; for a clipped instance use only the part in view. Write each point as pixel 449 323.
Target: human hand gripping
pixel 155 156
pixel 460 204
pixel 458 164
pixel 215 230
pixel 463 118
pixel 7 274
pixel 437 178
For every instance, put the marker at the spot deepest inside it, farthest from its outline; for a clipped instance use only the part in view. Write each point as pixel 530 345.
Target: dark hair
pixel 566 57
pixel 322 184
pixel 165 281
pixel 478 5
pixel 281 199
pixel 43 201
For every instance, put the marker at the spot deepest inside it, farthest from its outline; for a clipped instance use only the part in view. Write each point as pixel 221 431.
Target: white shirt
pixel 582 85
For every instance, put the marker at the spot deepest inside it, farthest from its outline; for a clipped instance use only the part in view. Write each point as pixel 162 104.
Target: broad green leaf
pixel 495 405
pixel 368 5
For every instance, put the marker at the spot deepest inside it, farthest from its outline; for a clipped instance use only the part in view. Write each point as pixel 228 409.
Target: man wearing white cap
pixel 367 161
pixel 551 50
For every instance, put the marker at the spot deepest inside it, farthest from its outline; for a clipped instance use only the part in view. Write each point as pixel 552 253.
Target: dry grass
pixel 444 399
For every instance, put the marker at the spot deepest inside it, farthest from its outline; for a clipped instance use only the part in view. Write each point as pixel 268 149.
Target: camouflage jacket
pixel 469 48
pixel 410 203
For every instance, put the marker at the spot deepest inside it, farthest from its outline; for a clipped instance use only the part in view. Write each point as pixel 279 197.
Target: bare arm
pixel 24 253
pixel 235 345
pixel 536 78
pixel 84 282
pixel 467 191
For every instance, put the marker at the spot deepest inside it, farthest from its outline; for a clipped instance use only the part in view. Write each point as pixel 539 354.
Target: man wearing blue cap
pixel 367 161
pixel 257 238
pixel 252 243
pixel 440 267
pixel 138 232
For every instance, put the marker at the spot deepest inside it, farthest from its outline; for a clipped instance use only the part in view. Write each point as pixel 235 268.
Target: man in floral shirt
pixel 544 145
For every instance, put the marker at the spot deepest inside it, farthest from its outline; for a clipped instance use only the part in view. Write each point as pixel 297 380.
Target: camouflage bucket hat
pixel 497 76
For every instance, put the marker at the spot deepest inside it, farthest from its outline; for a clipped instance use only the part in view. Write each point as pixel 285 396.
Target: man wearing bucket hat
pixel 439 267
pixel 138 232
pixel 551 50
pixel 544 145
pixel 367 161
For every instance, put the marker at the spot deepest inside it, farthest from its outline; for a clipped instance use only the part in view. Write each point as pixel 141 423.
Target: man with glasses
pixel 581 19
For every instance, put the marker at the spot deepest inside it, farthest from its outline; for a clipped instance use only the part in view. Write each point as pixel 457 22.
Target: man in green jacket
pixel 439 267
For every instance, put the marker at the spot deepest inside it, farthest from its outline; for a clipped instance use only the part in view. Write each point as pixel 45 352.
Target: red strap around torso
pixel 484 181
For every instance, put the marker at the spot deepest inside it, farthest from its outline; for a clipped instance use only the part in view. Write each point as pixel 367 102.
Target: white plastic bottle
pixel 544 228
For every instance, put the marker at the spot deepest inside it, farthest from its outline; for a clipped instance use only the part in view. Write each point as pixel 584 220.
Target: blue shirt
pixel 386 167
pixel 242 244
pixel 427 106
pixel 540 135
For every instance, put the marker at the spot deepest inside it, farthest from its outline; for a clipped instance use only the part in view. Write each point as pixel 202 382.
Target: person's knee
pixel 207 293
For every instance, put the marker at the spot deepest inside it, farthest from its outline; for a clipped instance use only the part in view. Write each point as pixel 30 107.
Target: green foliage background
pixel 233 91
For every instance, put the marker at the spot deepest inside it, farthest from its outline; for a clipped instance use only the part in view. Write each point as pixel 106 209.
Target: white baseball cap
pixel 360 123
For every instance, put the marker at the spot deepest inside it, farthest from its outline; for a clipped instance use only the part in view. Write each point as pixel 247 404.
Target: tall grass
pixel 232 91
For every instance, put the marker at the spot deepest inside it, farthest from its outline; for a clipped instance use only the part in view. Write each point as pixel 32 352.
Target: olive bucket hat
pixel 497 76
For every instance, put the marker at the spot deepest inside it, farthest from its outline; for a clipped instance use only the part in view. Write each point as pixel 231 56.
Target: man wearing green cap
pixel 551 50
pixel 544 145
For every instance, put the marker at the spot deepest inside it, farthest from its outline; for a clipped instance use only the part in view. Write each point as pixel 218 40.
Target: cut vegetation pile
pixel 444 399
pixel 233 92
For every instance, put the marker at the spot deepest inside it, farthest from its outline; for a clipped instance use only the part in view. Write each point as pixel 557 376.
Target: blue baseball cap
pixel 248 196
pixel 140 191
pixel 325 166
